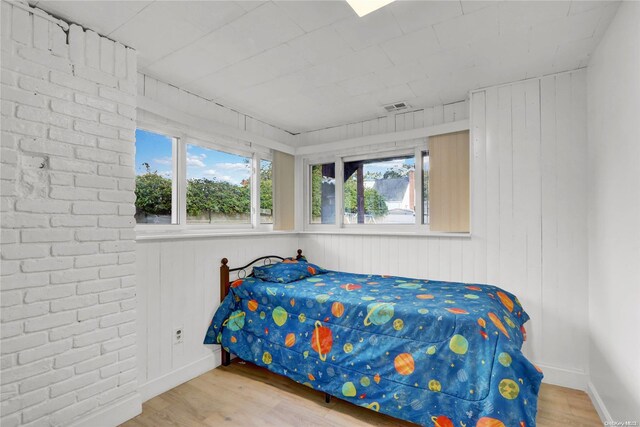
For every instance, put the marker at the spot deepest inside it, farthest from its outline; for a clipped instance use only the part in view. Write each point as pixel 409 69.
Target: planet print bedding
pixel 435 353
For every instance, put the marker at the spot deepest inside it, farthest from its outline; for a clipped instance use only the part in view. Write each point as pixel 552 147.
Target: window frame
pixel 398 152
pixel 420 155
pixel 397 149
pixel 204 143
pixel 307 164
pixel 181 139
pixel 175 179
pixel 268 157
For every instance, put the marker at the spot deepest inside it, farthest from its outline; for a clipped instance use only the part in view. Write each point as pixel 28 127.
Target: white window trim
pixel 307 163
pixel 398 152
pixel 181 137
pixel 259 158
pixel 389 149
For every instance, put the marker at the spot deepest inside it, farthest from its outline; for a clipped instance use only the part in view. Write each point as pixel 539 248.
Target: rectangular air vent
pixel 396 106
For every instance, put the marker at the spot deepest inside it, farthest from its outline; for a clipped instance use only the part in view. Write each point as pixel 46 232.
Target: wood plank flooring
pixel 246 395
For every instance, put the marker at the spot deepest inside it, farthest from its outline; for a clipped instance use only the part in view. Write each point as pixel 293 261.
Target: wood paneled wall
pixel 199 107
pixel 391 123
pixel 528 226
pixel 528 219
pixel 178 287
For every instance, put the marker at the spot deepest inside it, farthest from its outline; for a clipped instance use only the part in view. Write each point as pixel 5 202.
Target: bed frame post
pixel 225 356
pixel 224 290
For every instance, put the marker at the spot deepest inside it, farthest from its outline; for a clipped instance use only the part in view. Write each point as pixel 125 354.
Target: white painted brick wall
pixel 68 250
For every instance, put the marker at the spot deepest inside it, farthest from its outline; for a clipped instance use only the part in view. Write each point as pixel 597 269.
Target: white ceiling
pixel 305 65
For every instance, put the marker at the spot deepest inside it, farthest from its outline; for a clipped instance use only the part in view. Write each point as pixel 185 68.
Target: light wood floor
pixel 246 395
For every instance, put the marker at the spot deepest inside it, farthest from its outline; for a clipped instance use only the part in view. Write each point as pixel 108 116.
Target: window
pixel 266 192
pixel 323 193
pixel 155 189
pixel 425 187
pixel 218 187
pixel 187 182
pixel 421 184
pixel 380 191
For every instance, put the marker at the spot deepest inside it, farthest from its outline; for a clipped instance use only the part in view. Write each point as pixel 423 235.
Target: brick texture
pixel 68 251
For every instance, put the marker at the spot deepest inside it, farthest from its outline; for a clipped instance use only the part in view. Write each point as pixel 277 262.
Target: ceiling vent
pixel 396 106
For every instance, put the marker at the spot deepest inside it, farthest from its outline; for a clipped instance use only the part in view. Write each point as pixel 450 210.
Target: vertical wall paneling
pixel 434 258
pixel 490 251
pixel 532 210
pixel 528 216
pixel 475 258
pixel 564 215
pixel 392 123
pixel 549 207
pixel 505 187
pixel 179 288
pixel 528 229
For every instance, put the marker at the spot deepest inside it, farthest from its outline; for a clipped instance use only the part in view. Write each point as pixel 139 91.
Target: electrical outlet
pixel 178 336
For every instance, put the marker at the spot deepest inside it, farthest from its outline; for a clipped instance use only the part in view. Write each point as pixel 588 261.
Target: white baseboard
pixel 114 414
pixel 598 403
pixel 564 377
pixel 173 379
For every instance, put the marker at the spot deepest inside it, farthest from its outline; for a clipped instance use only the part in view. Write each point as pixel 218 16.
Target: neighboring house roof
pixel 392 189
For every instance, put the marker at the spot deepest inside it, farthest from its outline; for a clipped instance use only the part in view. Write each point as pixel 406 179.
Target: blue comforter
pixel 435 353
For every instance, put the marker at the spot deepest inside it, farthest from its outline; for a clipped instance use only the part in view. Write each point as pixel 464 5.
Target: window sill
pixel 158 235
pixel 143 236
pixel 379 232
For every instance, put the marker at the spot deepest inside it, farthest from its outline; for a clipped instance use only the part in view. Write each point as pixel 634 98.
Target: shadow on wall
pixel 610 386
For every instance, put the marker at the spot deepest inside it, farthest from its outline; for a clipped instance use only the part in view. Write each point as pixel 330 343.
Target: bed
pixel 435 353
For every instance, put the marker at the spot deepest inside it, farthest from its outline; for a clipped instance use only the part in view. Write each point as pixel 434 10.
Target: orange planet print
pixel 455 310
pixel 489 422
pixel 442 421
pixel 292 302
pixel 234 339
pixel 290 340
pixel 473 288
pixel 505 300
pixel 484 335
pixel 311 270
pixel 424 296
pixel 311 377
pixel 252 305
pixel 321 340
pixel 404 364
pixel 350 287
pixel 482 323
pixel 337 309
pixel 524 333
pixel 498 324
pixel 236 283
pixel 376 378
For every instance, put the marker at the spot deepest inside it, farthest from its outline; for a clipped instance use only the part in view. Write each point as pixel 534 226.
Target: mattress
pixel 434 353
